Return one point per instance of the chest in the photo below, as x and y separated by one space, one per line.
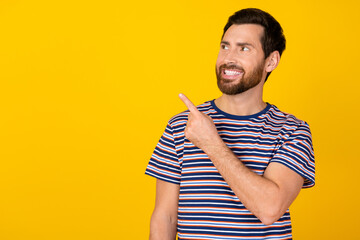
254 145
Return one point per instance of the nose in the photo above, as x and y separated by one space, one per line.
230 57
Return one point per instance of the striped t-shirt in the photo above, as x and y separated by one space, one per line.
208 208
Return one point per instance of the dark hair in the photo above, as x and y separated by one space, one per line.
273 38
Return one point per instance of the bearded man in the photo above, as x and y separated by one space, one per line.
231 167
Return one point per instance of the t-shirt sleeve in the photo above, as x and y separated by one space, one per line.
164 163
297 153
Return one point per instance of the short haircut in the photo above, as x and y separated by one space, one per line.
273 38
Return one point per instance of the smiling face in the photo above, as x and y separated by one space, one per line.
240 65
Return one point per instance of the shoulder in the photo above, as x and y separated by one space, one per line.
289 123
283 117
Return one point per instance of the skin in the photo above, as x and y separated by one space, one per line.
164 218
240 57
267 196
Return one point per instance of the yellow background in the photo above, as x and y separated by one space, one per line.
86 89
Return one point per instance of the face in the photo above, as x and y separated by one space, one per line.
240 63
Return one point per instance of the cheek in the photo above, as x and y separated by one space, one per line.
250 64
219 61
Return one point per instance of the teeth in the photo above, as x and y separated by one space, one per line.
229 72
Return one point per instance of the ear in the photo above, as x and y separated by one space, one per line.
272 61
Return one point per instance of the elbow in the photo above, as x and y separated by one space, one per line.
270 216
267 220
162 222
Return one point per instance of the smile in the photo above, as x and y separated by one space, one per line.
232 72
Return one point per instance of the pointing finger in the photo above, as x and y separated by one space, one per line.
188 103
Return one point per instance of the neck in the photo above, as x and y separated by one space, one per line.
243 104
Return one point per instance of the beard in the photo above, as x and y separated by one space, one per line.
236 86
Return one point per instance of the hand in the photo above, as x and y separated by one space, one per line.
200 128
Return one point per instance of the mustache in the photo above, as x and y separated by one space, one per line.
231 66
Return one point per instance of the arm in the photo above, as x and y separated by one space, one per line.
164 218
267 196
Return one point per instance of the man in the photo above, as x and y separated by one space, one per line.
230 168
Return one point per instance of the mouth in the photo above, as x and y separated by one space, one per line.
231 73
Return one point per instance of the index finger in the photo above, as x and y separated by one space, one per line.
188 103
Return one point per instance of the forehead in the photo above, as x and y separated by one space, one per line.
251 33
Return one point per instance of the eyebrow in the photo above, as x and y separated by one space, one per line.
240 44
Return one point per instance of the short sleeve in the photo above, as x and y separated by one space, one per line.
164 163
297 153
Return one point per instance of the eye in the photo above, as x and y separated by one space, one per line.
224 46
245 49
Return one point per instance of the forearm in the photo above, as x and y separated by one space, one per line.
259 194
162 227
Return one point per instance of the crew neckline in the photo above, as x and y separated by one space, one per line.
228 115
